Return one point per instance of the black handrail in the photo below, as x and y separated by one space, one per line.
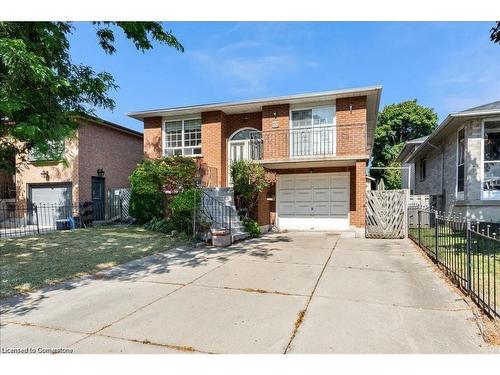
218 213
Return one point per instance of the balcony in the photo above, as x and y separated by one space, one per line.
327 143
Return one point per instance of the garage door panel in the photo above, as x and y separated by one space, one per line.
303 195
321 182
303 209
286 209
286 196
321 209
339 195
339 209
339 182
303 182
321 195
287 182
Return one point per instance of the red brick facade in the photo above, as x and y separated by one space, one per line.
96 146
217 127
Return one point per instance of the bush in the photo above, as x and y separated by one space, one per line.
159 225
252 227
153 179
182 208
249 180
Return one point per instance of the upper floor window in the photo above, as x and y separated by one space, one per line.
312 131
307 118
491 160
182 137
422 169
461 161
52 151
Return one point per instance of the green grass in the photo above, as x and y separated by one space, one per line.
29 263
452 252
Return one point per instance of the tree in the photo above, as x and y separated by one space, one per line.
153 181
396 124
41 89
249 180
495 33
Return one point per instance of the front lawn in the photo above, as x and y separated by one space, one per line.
29 263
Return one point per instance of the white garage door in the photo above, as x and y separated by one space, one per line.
53 201
314 201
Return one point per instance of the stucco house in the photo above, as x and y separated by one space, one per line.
458 165
408 168
101 156
318 144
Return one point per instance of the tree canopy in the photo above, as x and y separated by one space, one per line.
495 33
42 89
396 124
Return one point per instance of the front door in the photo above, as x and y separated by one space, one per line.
98 198
238 150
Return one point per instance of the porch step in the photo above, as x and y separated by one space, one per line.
226 195
237 236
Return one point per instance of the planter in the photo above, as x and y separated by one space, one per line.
221 237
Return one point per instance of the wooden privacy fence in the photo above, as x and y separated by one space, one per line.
386 212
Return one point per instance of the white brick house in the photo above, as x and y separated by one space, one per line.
459 163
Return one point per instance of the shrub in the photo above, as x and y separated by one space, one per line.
153 179
249 180
182 208
252 227
159 225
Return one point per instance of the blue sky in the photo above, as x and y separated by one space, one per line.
449 66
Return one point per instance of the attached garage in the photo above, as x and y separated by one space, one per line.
313 201
54 201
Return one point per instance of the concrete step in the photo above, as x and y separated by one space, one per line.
239 236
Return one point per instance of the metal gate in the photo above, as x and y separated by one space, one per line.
386 213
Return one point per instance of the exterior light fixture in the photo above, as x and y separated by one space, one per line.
275 114
350 109
45 175
100 172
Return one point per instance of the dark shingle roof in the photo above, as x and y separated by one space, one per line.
484 107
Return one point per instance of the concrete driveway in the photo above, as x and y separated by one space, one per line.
282 293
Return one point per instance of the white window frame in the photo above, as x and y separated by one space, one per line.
312 108
459 195
183 147
486 195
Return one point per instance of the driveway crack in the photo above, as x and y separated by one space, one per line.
302 314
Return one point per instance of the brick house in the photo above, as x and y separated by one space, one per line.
318 145
458 164
101 156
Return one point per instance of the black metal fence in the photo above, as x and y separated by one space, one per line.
24 220
468 252
211 214
8 190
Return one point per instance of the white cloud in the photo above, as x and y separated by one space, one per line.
246 67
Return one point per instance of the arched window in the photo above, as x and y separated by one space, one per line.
242 134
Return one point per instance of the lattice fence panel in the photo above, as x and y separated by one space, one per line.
386 213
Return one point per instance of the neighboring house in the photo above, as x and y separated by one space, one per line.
408 170
458 165
318 144
101 156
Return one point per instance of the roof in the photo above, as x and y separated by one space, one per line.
110 124
408 148
452 121
255 105
418 140
484 107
